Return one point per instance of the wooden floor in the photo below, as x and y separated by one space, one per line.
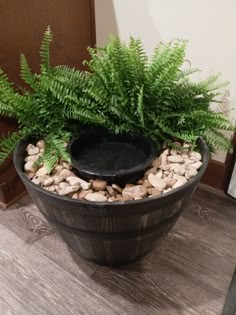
188 274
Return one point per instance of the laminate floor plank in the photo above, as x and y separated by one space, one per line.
41 286
188 274
30 225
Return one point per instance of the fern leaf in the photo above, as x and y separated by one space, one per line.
7 110
140 107
216 140
49 158
7 145
45 50
55 149
4 82
184 73
26 73
81 113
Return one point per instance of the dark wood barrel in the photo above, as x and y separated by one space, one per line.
111 233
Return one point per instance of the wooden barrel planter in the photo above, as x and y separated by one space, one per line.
111 233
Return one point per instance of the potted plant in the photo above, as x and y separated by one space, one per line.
125 94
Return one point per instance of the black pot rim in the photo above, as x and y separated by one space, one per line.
196 178
110 175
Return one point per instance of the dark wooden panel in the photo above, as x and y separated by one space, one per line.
218 174
23 24
229 163
11 187
214 174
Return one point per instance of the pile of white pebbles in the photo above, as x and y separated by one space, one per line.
172 169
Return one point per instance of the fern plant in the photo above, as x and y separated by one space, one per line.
43 111
124 92
154 96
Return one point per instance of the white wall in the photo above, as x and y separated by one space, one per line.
208 25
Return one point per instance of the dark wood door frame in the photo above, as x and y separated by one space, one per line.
218 174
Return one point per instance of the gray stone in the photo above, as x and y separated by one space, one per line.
175 159
63 185
75 196
65 173
40 144
154 191
170 182
83 184
110 191
140 181
32 150
173 166
57 179
68 190
47 182
196 156
188 161
99 185
29 167
32 158
95 197
73 180
159 174
36 180
42 172
66 165
179 169
58 168
166 152
146 184
197 165
117 188
179 177
156 182
152 170
167 190
179 183
191 172
134 191
83 193
173 152
157 162
51 188
165 167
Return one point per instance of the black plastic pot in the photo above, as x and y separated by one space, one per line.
111 233
115 158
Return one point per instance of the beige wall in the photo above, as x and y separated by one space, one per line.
209 26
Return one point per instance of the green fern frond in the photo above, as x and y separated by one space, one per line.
4 82
186 137
217 140
7 145
185 73
55 149
141 107
212 83
45 50
49 158
26 73
83 115
60 145
7 110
